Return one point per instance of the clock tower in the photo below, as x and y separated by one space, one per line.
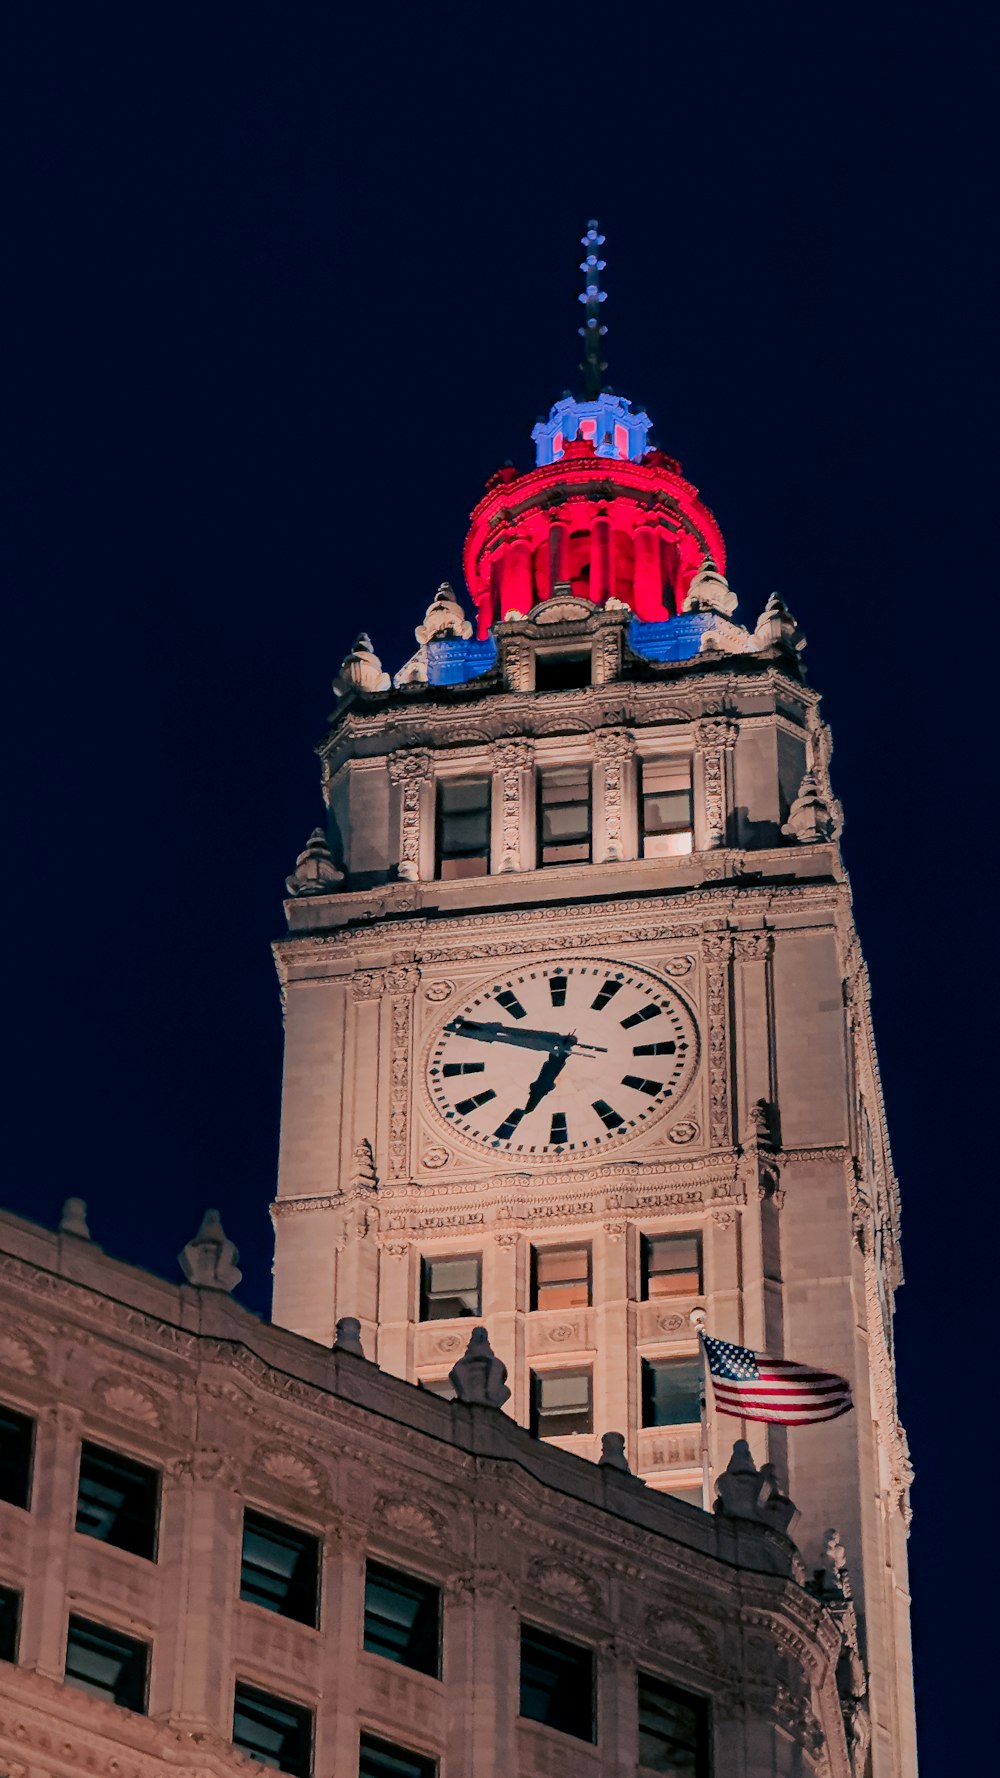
578 1042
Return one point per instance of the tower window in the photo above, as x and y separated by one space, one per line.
671 1391
402 1619
671 1265
383 1759
117 1501
105 1662
463 827
273 1731
280 1568
666 811
564 815
10 1614
563 672
561 1403
673 1730
557 1683
17 1436
450 1288
560 1277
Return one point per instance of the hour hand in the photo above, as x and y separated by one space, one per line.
546 1079
491 1032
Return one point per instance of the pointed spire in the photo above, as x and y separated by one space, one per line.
592 296
777 628
810 818
315 872
444 617
364 1175
361 670
710 591
210 1261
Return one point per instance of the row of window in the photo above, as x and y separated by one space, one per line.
564 817
451 1286
557 1687
561 1402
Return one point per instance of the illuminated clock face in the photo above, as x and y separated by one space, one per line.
563 1059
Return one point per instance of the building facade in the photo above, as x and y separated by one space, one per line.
577 1023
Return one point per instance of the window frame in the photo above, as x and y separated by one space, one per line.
647 1399
542 1635
683 763
256 1693
426 1765
551 659
268 1525
427 1262
441 786
646 1243
543 1252
417 1584
703 1712
21 1464
144 1473
537 1378
583 768
111 1634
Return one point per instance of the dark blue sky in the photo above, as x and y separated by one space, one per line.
281 292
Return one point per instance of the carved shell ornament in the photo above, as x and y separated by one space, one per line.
562 1059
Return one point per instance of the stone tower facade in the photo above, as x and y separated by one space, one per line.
577 1026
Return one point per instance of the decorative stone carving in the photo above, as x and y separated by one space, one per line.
210 1261
710 591
348 1336
410 772
438 991
480 1377
364 1176
361 671
613 1452
511 759
435 1157
810 818
677 965
291 1470
18 1355
368 984
444 617
74 1219
776 627
614 749
717 954
567 1584
127 1401
715 738
409 1520
399 1084
686 1131
746 1492
315 872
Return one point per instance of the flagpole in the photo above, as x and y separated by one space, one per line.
697 1319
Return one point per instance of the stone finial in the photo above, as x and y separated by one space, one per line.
760 1123
774 1506
480 1377
444 617
73 1220
832 1574
364 1174
613 1452
210 1261
810 818
315 872
739 1486
710 591
348 1336
776 627
361 670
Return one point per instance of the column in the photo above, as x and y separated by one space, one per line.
601 586
411 773
615 813
516 588
647 596
558 553
53 1513
513 839
714 739
208 1501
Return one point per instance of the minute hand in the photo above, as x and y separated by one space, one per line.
488 1032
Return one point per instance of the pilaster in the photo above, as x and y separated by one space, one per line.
411 774
615 817
513 837
714 740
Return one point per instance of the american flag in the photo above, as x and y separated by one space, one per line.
753 1387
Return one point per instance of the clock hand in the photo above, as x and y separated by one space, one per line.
490 1032
546 1078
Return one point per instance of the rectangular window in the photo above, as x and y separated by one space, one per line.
280 1568
273 1731
557 1683
402 1619
673 1730
560 1277
671 1391
118 1501
463 827
671 1265
10 1618
105 1662
666 811
571 671
560 1403
383 1759
450 1288
17 1437
564 815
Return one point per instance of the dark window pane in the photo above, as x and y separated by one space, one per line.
673 1730
564 815
560 1277
10 1615
402 1618
560 1403
382 1759
563 672
273 1731
17 1434
671 1265
557 1683
463 827
107 1663
117 1501
450 1288
671 1391
280 1568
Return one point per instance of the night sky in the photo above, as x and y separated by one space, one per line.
282 290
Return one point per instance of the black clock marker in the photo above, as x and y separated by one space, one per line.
506 1130
557 989
558 1133
637 1018
463 1068
654 1049
609 1117
510 1003
466 1105
608 992
642 1086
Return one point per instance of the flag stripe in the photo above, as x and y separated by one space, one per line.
751 1386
